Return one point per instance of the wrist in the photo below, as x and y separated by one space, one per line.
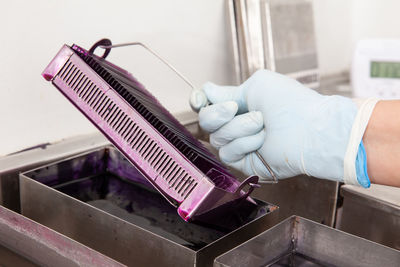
355 160
382 143
326 137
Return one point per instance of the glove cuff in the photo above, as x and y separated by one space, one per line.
365 108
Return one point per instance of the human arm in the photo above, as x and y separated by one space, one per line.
382 143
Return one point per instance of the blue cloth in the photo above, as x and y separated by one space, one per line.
361 167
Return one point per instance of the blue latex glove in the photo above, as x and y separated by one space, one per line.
295 129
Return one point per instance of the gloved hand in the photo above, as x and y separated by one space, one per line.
295 129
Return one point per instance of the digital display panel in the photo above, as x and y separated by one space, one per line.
381 69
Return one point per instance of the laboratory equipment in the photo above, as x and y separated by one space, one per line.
375 70
278 35
246 36
301 242
173 161
379 206
26 243
99 199
12 165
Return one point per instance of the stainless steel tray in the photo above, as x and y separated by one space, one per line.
24 242
308 197
372 213
12 165
99 199
301 242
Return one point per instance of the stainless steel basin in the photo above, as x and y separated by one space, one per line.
301 242
372 213
100 200
24 242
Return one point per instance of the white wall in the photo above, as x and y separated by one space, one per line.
341 23
375 19
333 31
191 34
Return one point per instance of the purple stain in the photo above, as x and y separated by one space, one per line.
47 76
106 180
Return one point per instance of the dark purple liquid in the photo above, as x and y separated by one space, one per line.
106 180
140 206
146 208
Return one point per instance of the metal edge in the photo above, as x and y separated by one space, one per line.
25 179
55 64
36 241
234 39
11 165
288 221
56 150
240 10
267 35
361 199
240 235
342 240
255 35
301 228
